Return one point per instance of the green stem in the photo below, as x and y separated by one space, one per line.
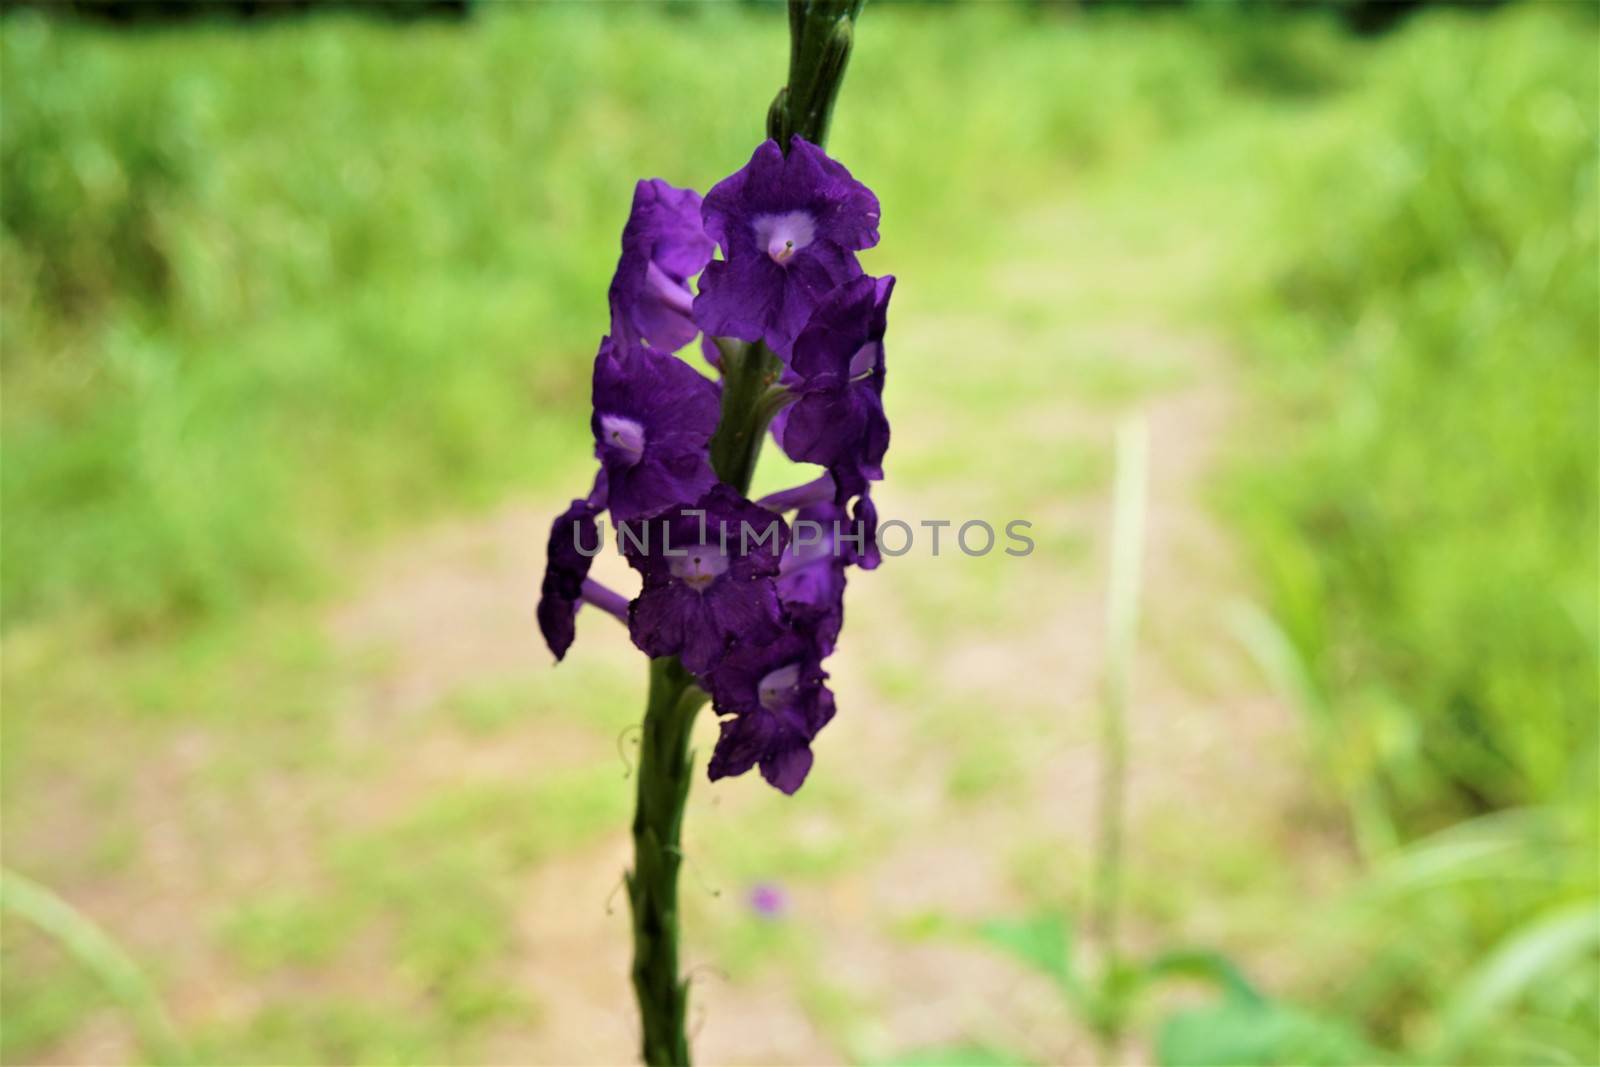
1122 631
664 760
820 36
665 765
819 48
748 373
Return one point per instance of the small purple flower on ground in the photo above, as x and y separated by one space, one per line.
789 227
709 571
653 420
768 900
663 246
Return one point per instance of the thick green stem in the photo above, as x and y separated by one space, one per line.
819 47
749 374
664 760
665 765
820 36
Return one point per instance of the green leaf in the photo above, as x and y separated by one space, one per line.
1514 844
1536 950
1258 1033
1043 942
92 947
1207 966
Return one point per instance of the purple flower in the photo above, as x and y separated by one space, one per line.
789 227
709 574
653 420
777 701
768 901
838 420
749 607
811 575
574 541
663 246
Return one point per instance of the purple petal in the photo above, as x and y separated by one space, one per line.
574 539
740 302
787 769
670 411
663 246
768 291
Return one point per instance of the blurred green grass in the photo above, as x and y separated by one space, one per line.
1433 347
273 293
1423 318
338 275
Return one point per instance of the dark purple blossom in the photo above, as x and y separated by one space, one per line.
709 571
750 608
838 420
789 227
811 575
653 419
776 703
663 246
574 541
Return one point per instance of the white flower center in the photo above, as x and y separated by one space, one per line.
784 235
622 436
699 566
777 689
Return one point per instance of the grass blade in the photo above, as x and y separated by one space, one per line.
94 949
